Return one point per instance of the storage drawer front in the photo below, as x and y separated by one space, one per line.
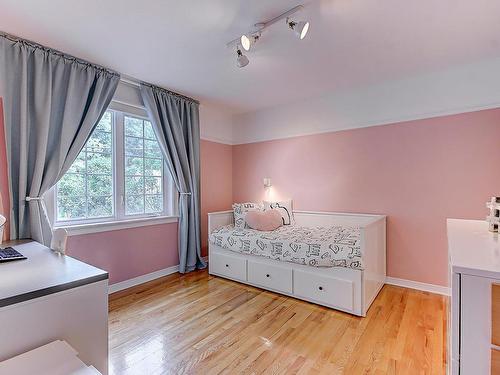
270 276
323 289
227 265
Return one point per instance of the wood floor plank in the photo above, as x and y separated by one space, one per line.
199 324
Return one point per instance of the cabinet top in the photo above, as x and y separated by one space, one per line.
472 248
44 272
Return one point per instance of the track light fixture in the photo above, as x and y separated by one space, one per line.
247 41
300 28
241 60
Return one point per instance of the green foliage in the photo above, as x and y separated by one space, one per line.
134 185
86 190
153 167
154 203
134 166
133 146
134 204
133 127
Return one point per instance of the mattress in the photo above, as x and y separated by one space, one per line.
331 246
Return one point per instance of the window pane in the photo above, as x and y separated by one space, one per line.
152 149
134 185
152 185
134 204
70 207
105 123
133 166
133 146
153 167
78 165
71 185
99 163
99 185
100 142
148 130
133 126
154 203
143 158
100 206
86 190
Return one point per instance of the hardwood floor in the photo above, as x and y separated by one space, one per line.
199 324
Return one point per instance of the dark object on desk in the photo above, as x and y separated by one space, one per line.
9 254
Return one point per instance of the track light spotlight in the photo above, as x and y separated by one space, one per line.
247 41
241 60
300 28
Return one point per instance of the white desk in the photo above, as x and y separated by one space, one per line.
50 297
474 262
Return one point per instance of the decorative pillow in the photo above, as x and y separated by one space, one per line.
264 220
240 210
284 208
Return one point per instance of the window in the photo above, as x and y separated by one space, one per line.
86 190
118 175
143 168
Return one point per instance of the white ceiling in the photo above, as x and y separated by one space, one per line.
181 45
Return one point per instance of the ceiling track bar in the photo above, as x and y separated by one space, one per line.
259 27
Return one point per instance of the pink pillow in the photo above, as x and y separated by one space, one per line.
264 220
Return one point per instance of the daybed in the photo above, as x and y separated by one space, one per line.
333 259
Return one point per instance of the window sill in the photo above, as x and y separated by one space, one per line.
77 229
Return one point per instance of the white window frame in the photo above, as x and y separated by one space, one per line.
119 220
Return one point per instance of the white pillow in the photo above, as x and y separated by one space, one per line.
240 210
284 208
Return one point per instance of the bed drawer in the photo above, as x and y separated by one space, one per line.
229 266
323 289
270 276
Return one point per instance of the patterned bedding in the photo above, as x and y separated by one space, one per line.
332 246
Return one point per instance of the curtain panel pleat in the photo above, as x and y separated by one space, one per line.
175 121
52 103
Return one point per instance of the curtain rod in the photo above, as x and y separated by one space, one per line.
137 83
125 79
66 56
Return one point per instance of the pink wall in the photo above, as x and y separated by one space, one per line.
216 183
116 251
129 253
417 172
4 182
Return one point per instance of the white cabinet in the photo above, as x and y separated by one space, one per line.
50 297
474 260
475 324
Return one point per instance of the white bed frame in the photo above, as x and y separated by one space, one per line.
341 288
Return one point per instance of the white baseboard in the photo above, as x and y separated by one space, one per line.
432 288
145 278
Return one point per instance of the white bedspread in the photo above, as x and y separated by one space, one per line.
332 246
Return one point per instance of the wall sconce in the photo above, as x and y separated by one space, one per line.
267 182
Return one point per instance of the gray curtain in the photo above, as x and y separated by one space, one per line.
52 102
175 120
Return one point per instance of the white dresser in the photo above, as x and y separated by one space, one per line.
474 261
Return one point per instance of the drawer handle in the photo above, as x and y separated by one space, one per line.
227 265
320 288
268 275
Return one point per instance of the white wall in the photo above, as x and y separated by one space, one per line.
215 121
458 90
